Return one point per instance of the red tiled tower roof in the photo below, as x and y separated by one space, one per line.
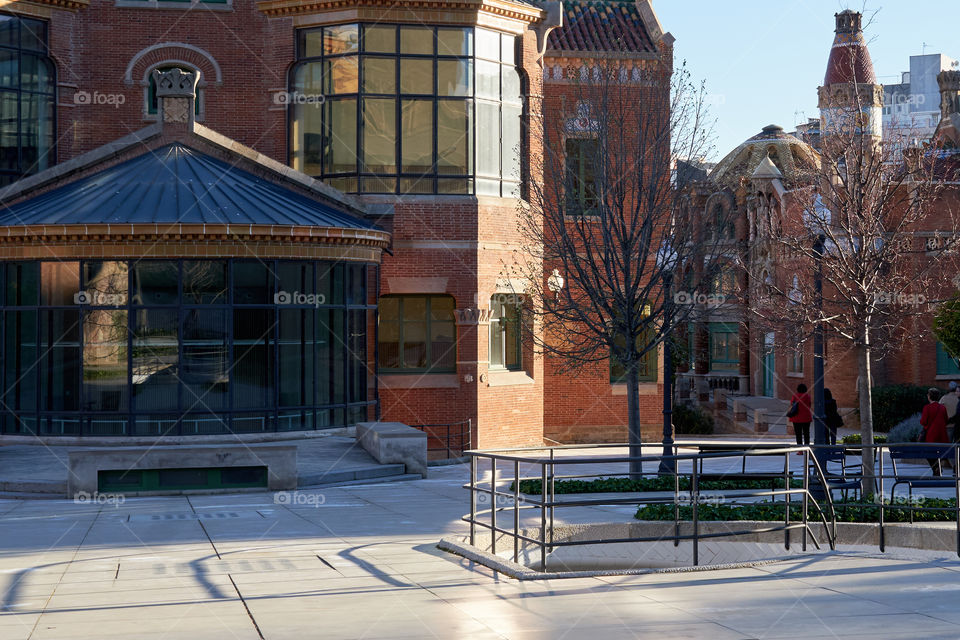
850 61
602 25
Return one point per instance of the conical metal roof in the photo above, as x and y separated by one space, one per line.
176 184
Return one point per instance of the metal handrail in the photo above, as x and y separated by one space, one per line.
547 502
461 431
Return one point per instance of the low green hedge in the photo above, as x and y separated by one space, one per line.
893 404
858 511
856 438
691 421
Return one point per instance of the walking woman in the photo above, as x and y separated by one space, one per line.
803 416
934 423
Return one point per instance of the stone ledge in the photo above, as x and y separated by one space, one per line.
84 464
393 443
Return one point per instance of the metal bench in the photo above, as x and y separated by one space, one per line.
929 452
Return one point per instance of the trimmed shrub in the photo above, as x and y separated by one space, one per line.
690 420
895 403
856 438
906 431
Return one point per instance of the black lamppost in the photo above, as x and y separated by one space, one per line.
819 419
667 464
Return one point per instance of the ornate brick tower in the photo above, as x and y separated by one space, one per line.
851 99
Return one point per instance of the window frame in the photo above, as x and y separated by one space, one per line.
578 204
503 324
8 176
725 329
431 368
399 181
151 104
946 366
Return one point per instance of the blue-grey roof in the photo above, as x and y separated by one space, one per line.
175 184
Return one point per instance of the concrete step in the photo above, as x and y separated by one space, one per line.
34 487
403 477
350 475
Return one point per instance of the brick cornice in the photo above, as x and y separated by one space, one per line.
25 5
228 239
503 8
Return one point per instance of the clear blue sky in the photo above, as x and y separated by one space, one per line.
763 60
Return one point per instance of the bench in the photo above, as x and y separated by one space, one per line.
929 452
395 443
243 463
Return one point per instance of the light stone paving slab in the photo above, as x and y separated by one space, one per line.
364 564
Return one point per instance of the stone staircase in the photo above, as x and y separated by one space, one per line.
751 415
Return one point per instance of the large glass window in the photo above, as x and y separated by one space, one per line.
182 347
392 109
27 98
646 371
417 334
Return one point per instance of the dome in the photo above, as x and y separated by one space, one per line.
793 157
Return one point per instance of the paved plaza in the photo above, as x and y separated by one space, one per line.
361 562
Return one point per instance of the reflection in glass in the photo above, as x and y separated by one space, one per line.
417 139
253 357
297 380
380 136
60 283
204 282
105 284
60 361
155 359
155 282
205 371
416 40
251 283
105 359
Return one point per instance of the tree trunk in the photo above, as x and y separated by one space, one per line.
633 421
868 486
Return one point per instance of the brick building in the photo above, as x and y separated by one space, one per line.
774 176
417 120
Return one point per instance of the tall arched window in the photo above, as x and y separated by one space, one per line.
27 99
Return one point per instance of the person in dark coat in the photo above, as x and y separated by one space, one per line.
933 419
801 421
832 418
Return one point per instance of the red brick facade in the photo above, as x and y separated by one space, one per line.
104 51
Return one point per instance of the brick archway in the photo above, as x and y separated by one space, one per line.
151 56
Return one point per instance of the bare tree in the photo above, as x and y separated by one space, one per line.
862 226
603 220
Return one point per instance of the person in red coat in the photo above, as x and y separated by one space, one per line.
933 419
801 421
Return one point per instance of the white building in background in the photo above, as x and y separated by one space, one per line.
911 109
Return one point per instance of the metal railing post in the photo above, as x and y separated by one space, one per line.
879 499
676 504
553 494
806 494
956 478
516 510
786 501
543 516
473 501
695 495
493 506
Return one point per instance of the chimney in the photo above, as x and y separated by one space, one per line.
176 95
949 82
